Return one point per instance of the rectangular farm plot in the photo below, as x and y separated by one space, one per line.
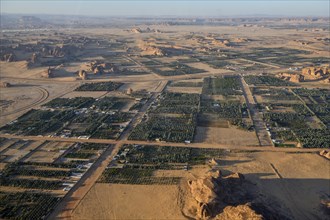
176 68
229 85
227 136
141 164
295 118
165 128
77 102
99 86
38 122
86 151
177 103
29 205
171 118
34 186
18 150
48 152
266 81
75 117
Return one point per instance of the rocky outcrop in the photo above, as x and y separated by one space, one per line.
296 78
136 30
98 70
315 71
218 197
34 58
325 153
59 51
308 74
129 91
5 84
147 30
10 57
240 212
98 67
48 73
152 50
221 43
82 74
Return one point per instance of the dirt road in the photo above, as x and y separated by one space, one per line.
257 116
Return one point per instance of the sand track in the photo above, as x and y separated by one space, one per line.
44 94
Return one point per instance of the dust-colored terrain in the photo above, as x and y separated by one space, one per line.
192 81
272 183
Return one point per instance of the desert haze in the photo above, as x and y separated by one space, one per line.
164 117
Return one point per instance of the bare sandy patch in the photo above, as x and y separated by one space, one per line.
118 201
230 136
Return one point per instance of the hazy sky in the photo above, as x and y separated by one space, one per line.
169 7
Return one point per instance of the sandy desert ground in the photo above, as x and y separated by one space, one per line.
288 183
279 176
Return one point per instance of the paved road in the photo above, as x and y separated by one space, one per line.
257 117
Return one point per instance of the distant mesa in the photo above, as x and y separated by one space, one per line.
147 30
58 51
98 67
152 50
222 43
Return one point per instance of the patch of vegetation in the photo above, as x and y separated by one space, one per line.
27 205
142 161
165 128
30 183
266 80
187 84
313 138
99 86
222 86
77 102
178 103
135 176
178 68
231 111
151 154
39 122
274 94
19 170
110 103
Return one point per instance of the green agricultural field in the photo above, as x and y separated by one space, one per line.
222 86
99 86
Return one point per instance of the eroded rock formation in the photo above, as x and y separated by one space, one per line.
10 57
48 73
325 153
5 84
82 74
308 74
216 196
